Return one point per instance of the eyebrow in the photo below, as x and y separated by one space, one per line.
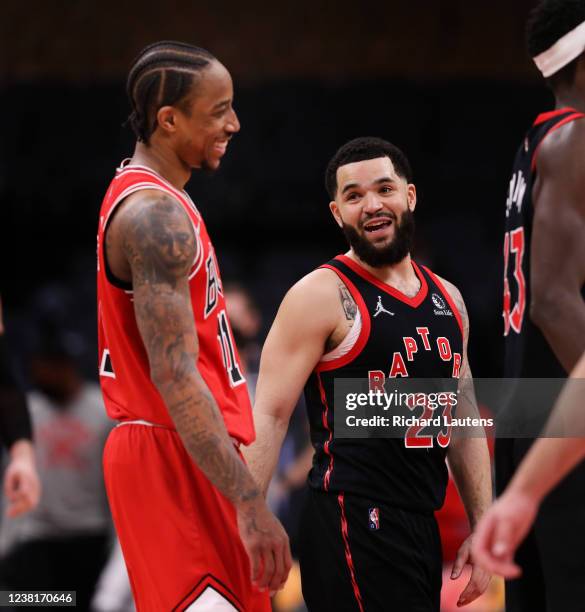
384 179
220 104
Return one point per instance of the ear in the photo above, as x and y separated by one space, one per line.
411 196
166 118
335 212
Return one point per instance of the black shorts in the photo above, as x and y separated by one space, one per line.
361 555
552 556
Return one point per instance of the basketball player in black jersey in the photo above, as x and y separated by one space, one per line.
544 309
369 540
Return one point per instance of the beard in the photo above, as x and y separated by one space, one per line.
390 254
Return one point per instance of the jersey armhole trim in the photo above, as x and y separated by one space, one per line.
449 299
575 115
362 340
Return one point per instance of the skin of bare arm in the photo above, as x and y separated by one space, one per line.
507 522
557 270
157 240
21 485
469 460
308 316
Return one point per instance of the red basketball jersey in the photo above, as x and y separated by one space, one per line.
128 392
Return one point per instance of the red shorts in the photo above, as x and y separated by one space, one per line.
178 533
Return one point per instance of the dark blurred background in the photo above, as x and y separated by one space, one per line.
448 81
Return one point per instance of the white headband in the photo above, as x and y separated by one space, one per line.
565 50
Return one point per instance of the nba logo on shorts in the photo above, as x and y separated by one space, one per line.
374 518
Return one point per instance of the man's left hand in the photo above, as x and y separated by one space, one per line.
479 580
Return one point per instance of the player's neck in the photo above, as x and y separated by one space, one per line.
572 94
570 99
399 274
163 161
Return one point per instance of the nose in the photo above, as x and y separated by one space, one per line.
372 203
233 123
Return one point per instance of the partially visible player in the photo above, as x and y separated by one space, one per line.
185 506
544 310
504 526
21 481
369 538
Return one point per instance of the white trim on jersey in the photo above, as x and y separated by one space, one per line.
211 601
145 169
348 342
104 361
138 422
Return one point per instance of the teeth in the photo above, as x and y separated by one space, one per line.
372 228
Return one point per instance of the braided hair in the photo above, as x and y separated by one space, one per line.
162 75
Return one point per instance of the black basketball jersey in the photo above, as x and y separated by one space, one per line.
400 336
527 353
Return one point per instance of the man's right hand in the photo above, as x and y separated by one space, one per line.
266 543
501 530
22 487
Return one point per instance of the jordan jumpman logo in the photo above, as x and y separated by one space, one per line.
380 309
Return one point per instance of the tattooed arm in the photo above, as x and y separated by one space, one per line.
469 460
349 306
158 241
313 318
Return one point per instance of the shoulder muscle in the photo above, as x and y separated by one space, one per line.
157 237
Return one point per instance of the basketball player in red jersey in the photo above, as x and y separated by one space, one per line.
185 506
369 537
544 306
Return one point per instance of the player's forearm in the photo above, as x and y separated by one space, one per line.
551 458
469 461
202 430
547 463
262 456
551 314
22 450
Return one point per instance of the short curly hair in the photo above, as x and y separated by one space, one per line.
361 149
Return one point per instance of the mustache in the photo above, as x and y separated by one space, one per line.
380 215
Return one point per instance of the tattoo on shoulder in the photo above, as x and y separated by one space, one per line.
348 303
159 240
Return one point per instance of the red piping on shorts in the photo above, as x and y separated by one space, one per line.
324 418
344 534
